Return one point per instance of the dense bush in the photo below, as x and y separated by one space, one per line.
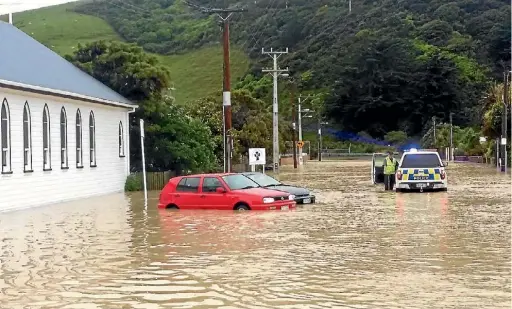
133 182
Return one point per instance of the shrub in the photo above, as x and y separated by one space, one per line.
133 183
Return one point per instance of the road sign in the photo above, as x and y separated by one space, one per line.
257 156
300 144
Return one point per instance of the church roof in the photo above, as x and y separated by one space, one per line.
23 60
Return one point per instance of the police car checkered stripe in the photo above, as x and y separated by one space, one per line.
432 173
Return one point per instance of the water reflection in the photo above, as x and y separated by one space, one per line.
359 247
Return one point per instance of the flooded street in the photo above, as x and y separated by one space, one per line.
358 247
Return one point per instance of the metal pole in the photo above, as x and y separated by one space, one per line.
143 161
299 109
434 122
497 153
451 137
319 138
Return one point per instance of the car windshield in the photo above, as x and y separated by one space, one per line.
263 180
421 160
239 182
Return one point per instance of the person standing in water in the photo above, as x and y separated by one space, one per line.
390 166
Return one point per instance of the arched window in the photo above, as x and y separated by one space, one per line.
79 150
92 140
27 139
47 155
121 140
5 139
63 139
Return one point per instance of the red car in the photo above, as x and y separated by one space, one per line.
221 191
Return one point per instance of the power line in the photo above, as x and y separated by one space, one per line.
259 30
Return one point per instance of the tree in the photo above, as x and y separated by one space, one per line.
388 66
493 115
178 142
251 119
126 68
173 140
396 137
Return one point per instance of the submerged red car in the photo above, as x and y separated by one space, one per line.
222 191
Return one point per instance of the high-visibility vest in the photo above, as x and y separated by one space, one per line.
389 166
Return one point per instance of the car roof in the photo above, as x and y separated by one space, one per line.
421 152
208 175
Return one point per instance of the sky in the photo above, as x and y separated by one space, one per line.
24 5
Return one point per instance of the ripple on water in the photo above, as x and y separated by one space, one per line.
358 247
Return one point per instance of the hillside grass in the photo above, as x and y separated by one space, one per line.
60 29
194 74
199 73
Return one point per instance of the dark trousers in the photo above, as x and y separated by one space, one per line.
389 182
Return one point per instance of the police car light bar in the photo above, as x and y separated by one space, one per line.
413 150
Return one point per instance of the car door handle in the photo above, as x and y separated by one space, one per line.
177 195
202 195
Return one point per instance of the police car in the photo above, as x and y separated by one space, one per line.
421 170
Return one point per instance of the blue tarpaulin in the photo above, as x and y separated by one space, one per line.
352 137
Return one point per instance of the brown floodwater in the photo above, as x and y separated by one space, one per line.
358 247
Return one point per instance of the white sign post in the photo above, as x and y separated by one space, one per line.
143 161
257 157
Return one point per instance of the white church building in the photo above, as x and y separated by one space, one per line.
63 134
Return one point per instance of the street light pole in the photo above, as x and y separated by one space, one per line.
319 138
320 123
294 134
300 112
451 136
434 122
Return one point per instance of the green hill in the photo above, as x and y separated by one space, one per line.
386 65
194 74
381 66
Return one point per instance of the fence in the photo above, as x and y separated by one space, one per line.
154 180
288 151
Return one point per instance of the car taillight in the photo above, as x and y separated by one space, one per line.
443 175
399 175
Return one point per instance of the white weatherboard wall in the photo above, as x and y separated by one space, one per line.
21 190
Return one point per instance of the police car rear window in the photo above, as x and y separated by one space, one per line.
420 160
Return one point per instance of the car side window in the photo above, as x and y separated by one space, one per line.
188 184
210 184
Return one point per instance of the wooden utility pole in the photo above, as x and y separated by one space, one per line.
504 123
224 15
294 125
